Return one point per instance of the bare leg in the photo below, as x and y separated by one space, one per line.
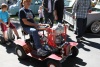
5 36
16 33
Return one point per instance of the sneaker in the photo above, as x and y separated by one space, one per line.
18 37
41 52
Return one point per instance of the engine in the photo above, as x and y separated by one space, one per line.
59 29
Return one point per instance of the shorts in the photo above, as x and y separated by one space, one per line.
4 28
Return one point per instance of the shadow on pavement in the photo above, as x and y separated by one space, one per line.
33 62
9 48
92 44
69 62
90 35
73 62
89 43
69 39
81 45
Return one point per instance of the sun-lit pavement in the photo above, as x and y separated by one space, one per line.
89 53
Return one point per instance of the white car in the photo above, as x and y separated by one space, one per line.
93 19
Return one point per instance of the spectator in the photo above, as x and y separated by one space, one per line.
5 22
41 15
48 11
58 10
29 26
81 8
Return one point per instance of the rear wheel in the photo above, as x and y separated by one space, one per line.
95 27
2 40
74 51
20 52
53 63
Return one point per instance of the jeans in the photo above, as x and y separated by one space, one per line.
81 26
35 36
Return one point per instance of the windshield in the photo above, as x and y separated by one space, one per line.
69 3
18 2
97 7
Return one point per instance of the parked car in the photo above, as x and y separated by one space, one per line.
14 9
2 1
93 19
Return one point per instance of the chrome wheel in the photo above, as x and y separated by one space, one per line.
95 27
19 53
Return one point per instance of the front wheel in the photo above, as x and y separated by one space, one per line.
53 63
74 51
20 52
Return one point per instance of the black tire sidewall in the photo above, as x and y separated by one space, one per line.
22 50
53 62
74 51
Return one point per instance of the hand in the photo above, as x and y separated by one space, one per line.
56 17
36 25
89 11
73 17
7 26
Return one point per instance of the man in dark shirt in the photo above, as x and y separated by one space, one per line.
48 10
26 19
58 10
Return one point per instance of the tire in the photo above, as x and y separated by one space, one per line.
2 40
95 27
74 51
20 52
53 63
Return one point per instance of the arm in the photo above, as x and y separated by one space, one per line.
55 10
8 21
55 15
44 5
29 23
90 7
2 22
75 7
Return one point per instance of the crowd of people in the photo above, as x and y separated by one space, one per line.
50 10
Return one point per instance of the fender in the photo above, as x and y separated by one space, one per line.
55 57
20 42
73 44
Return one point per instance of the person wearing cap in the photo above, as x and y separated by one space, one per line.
81 8
5 22
29 26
